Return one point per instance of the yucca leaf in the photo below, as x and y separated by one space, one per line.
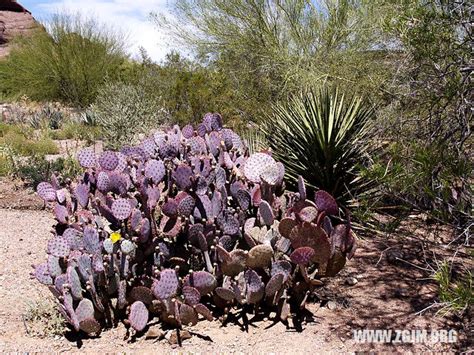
320 135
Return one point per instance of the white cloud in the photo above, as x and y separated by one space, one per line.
129 16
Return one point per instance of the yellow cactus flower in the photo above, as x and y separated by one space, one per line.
115 237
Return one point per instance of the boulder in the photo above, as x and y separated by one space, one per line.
15 21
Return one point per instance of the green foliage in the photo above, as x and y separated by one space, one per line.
125 110
432 83
22 141
456 296
425 176
76 130
186 89
68 62
268 50
320 136
34 169
5 166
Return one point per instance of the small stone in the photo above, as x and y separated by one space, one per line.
172 336
331 305
153 333
351 281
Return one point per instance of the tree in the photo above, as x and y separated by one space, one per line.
270 49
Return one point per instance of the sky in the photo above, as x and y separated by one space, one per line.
130 16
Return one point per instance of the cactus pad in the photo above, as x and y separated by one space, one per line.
191 295
187 131
46 191
266 213
204 311
281 267
255 287
42 274
82 194
256 164
138 316
244 199
236 262
326 202
155 170
58 246
84 310
260 256
203 281
90 326
61 213
302 255
142 294
308 214
121 208
182 176
225 293
74 283
274 284
91 240
187 315
103 181
108 160
167 286
54 269
87 158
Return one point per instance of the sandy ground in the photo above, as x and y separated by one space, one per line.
388 295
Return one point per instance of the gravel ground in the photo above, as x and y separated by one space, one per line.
384 296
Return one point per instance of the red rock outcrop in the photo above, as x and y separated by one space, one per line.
15 21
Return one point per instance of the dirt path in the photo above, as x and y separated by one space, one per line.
387 296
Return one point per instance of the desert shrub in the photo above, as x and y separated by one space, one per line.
320 136
24 143
267 50
67 62
5 166
35 168
76 130
189 223
125 110
187 89
426 177
425 162
43 319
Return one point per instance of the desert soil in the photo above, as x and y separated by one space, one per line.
394 287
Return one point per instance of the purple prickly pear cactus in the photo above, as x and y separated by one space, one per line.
183 223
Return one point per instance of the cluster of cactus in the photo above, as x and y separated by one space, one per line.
183 226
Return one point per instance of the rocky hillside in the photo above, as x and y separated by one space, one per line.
15 21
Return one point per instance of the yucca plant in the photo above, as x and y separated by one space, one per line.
319 135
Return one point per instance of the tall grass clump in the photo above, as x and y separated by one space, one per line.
67 60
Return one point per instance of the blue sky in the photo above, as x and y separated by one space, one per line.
129 16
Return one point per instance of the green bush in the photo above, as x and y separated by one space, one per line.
427 177
320 136
23 142
124 110
268 50
35 169
76 130
68 62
